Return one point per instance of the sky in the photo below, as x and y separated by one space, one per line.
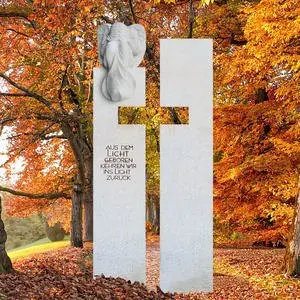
16 167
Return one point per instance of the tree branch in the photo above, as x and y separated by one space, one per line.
238 43
18 32
133 12
14 14
14 94
44 118
48 196
3 122
64 82
54 136
191 18
40 134
106 19
174 115
233 41
26 91
35 137
149 50
6 120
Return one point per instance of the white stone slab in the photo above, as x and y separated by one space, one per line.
186 240
119 205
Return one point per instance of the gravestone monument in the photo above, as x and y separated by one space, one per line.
119 155
185 158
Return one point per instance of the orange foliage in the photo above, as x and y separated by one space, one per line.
256 122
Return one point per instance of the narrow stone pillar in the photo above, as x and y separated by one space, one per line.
186 237
119 186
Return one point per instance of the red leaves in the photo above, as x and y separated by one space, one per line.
67 274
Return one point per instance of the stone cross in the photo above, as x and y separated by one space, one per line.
185 158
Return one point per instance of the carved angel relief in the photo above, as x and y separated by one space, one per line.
121 48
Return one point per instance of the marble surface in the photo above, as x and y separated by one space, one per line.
121 50
186 241
119 186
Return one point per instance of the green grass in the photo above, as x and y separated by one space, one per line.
37 247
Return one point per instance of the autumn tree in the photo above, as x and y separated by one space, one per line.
46 67
256 129
50 50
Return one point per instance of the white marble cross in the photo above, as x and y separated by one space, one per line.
185 180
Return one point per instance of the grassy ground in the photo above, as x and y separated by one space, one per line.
42 245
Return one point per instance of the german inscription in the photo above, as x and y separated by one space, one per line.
118 162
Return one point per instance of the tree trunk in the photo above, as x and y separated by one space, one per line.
153 214
88 202
292 255
88 221
149 212
5 262
76 221
55 232
84 160
157 214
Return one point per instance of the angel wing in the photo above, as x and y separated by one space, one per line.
137 42
103 33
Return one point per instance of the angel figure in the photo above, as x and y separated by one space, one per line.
121 48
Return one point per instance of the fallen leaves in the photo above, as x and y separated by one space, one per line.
67 274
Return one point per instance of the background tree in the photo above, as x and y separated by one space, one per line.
256 148
5 263
292 256
47 64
